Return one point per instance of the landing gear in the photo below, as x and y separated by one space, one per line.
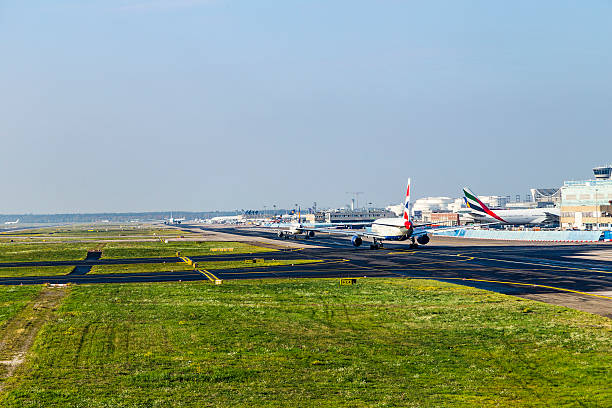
376 245
413 245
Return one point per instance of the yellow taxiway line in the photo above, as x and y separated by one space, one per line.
208 274
510 283
397 252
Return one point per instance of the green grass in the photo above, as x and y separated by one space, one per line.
13 299
182 266
312 343
94 232
140 268
20 252
50 251
119 232
35 271
242 264
187 248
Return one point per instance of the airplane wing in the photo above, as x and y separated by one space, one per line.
418 230
347 232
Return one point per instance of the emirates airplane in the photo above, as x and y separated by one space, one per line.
383 229
479 212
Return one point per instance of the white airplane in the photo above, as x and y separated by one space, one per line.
383 229
172 220
478 211
12 222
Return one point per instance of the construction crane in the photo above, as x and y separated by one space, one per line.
355 198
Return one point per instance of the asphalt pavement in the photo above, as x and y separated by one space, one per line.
546 272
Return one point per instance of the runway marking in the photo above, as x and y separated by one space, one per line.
510 283
324 262
468 258
543 264
482 280
208 274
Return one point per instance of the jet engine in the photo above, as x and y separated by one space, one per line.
280 234
310 234
356 240
423 239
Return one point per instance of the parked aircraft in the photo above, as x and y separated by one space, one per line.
12 222
479 212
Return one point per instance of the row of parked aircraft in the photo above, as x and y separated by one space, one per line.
402 228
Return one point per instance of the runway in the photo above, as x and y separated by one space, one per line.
550 273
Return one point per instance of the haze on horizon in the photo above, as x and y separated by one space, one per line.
143 105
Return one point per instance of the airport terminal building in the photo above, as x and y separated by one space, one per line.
587 205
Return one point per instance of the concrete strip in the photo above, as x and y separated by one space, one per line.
603 255
585 303
257 241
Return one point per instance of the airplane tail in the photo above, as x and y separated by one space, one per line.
472 201
407 220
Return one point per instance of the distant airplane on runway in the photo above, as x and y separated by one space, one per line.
383 229
12 222
479 212
172 220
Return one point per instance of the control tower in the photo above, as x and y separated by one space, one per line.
603 172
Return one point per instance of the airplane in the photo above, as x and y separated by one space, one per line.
12 222
382 229
296 228
478 211
172 220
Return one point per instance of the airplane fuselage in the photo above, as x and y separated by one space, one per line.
391 228
520 217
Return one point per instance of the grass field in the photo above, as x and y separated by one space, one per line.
20 252
182 266
187 248
36 271
281 343
13 252
13 299
97 231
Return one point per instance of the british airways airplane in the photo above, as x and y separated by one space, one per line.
382 229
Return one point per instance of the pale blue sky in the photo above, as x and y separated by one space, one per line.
154 104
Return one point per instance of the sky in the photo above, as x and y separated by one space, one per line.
142 105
